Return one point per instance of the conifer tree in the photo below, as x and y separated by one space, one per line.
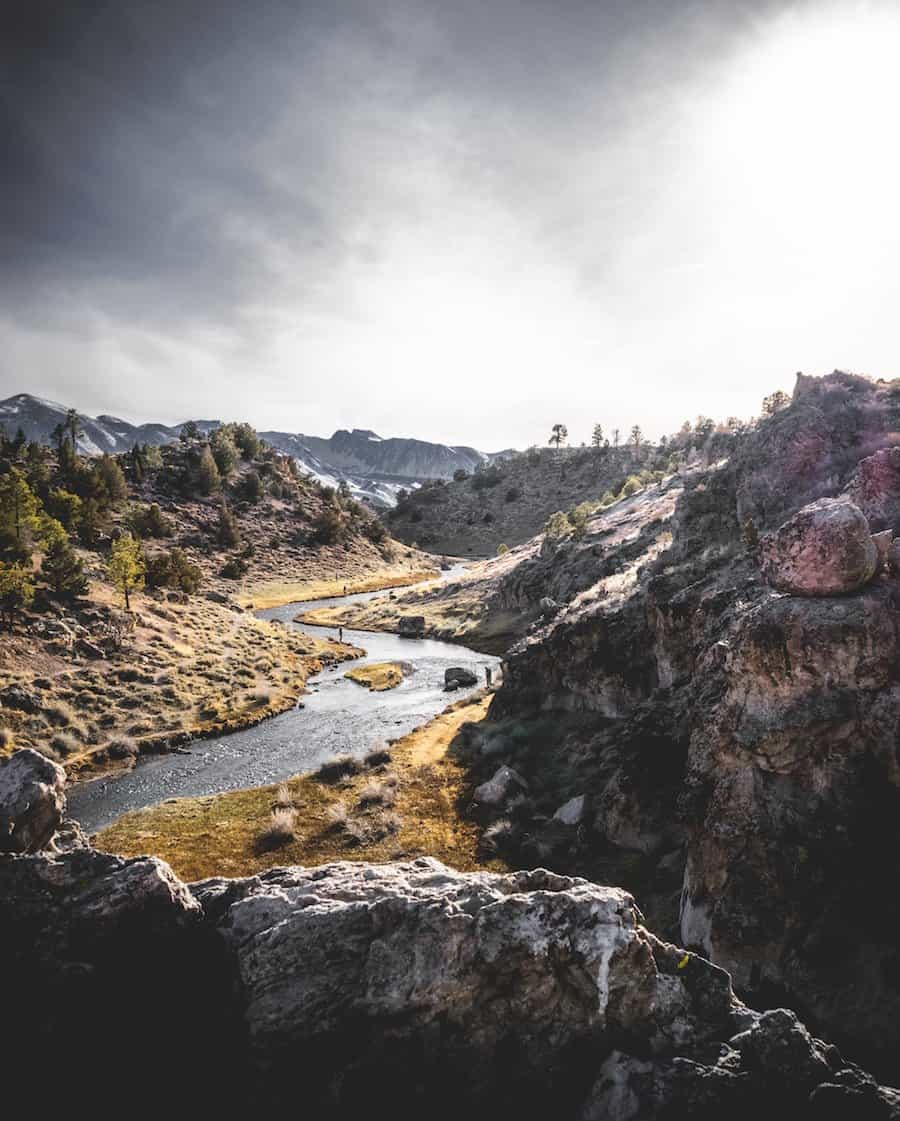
63 570
126 567
208 478
16 591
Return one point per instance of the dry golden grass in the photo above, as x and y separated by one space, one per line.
228 834
192 669
277 593
378 676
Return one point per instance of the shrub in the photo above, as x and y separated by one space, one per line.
378 793
377 758
607 500
122 747
234 568
283 799
557 525
329 527
375 531
337 815
251 488
513 494
280 830
460 475
227 533
486 477
6 739
172 570
63 744
501 549
335 769
631 486
150 522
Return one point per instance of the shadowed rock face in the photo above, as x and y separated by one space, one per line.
701 709
402 990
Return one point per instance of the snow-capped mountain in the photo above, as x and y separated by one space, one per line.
373 467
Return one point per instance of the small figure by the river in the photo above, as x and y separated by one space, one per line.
488 673
340 634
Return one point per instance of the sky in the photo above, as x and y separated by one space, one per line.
462 221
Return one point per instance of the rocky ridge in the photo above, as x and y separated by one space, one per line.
735 745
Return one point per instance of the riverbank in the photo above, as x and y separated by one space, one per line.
404 801
271 593
184 671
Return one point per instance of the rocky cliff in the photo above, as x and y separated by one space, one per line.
400 990
724 715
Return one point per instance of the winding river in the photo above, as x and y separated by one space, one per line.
335 717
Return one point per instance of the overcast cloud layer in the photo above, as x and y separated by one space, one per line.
459 221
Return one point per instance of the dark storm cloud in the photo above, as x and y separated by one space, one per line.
219 187
138 153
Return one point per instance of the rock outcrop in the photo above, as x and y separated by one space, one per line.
826 549
32 801
403 989
738 747
458 677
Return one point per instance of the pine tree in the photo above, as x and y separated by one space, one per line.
597 436
64 570
109 482
227 532
251 487
558 435
19 510
126 566
91 522
208 478
224 451
16 591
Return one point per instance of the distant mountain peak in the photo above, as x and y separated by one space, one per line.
372 466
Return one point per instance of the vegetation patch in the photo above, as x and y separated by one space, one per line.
378 676
406 807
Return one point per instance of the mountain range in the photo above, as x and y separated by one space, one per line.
373 467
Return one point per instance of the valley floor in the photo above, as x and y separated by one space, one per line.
191 667
405 802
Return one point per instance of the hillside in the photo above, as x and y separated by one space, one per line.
509 501
373 467
703 708
93 680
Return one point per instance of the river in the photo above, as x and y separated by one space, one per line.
336 717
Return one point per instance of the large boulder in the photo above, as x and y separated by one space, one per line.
405 989
32 800
411 626
825 549
875 488
457 677
413 982
498 789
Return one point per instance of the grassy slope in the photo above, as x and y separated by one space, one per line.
225 834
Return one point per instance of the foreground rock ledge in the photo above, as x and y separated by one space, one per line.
395 988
